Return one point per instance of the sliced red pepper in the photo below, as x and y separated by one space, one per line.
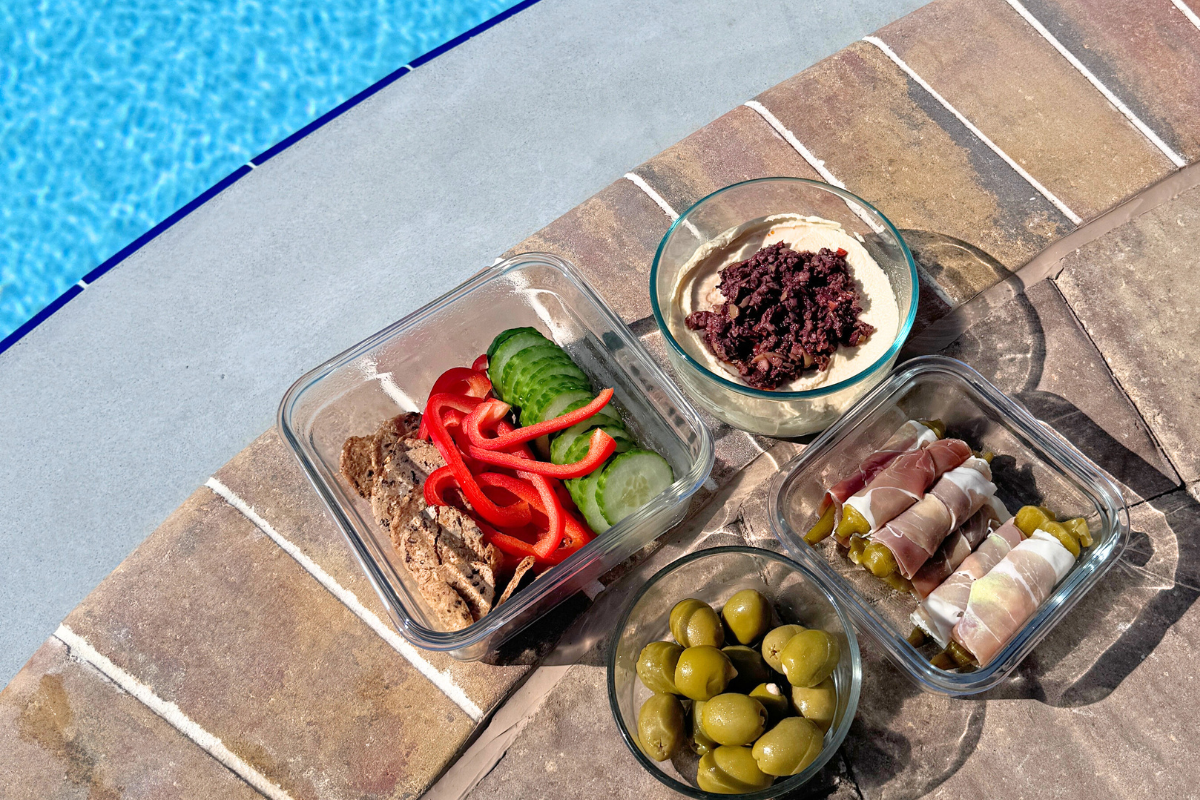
462 380
509 545
480 364
436 485
600 447
476 423
539 493
450 418
507 517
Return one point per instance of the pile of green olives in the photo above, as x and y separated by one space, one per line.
718 690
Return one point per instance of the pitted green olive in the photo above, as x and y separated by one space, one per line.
693 622
731 770
661 726
701 742
751 669
775 641
748 615
789 747
734 719
656 666
810 657
773 700
703 672
818 704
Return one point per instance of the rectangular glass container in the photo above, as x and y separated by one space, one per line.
392 372
1033 464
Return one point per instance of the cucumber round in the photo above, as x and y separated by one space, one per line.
553 406
549 393
576 449
504 336
585 498
514 366
630 481
609 412
562 443
511 346
540 372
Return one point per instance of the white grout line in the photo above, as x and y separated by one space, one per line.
442 680
672 215
807 155
170 712
81 284
1187 12
1175 158
1059 204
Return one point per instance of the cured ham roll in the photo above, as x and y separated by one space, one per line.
958 545
916 534
901 484
941 610
910 436
1003 600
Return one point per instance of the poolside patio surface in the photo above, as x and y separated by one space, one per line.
240 650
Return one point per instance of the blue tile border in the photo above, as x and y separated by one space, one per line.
245 169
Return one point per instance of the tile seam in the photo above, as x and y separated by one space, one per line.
170 713
660 201
1142 127
1187 12
441 679
912 73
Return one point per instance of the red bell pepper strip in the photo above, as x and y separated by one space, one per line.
507 517
575 533
462 380
451 418
436 485
478 420
480 364
600 447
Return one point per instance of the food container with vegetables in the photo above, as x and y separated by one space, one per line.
734 671
956 529
496 451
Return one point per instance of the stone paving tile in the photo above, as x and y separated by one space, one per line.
1033 349
268 478
1135 292
1148 54
893 145
67 732
611 237
992 66
215 617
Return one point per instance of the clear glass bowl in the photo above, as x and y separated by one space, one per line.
392 372
755 410
714 575
1033 464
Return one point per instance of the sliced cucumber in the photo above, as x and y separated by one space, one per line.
509 348
630 481
553 407
585 497
562 443
531 413
514 366
575 450
609 411
504 336
541 372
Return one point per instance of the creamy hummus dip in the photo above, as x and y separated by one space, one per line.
696 289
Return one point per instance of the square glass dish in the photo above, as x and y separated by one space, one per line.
392 372
1033 464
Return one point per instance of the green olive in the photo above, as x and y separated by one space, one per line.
773 700
734 719
818 704
748 615
656 666
731 770
1030 518
751 669
810 657
775 641
789 747
701 742
693 622
660 726
703 672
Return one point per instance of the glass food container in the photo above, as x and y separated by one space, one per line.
714 575
1033 464
392 372
777 413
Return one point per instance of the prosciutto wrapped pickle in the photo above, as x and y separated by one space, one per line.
940 611
1002 601
914 536
958 545
901 484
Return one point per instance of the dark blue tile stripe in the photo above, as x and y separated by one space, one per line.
40 317
243 170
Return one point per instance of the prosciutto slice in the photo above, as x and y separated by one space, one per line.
910 436
903 482
916 534
941 610
1004 599
958 545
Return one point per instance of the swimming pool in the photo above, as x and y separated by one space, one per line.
115 114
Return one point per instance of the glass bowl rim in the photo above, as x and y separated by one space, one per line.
881 362
791 782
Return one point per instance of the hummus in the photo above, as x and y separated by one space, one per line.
696 289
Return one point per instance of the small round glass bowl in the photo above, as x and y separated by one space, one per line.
778 413
713 576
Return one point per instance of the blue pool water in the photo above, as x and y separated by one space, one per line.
114 113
